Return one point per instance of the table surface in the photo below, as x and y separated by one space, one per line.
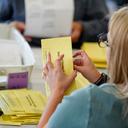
36 82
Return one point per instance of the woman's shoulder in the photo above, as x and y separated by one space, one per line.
94 90
104 100
81 94
106 95
88 107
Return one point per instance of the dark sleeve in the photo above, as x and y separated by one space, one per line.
5 11
121 2
96 10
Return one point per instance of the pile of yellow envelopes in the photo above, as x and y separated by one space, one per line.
96 53
21 106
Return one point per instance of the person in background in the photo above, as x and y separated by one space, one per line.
113 5
87 20
85 27
121 2
104 106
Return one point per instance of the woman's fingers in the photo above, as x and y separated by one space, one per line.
45 71
48 66
61 57
49 62
84 55
59 62
77 68
78 62
77 53
81 53
49 57
73 75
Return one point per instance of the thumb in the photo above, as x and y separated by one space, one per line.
73 75
77 68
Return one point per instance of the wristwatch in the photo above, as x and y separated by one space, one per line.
103 79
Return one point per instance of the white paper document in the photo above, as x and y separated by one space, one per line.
49 18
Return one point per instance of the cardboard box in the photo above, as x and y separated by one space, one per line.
9 35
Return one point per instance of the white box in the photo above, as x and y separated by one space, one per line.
9 34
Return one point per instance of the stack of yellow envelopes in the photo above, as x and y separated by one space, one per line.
21 106
57 46
97 54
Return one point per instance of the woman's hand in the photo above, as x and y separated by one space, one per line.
58 82
84 65
20 26
55 77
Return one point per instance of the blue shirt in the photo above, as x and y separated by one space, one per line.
91 107
12 10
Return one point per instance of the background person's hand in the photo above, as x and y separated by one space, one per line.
77 29
55 77
18 25
84 65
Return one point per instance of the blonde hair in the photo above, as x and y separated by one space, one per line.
118 60
118 63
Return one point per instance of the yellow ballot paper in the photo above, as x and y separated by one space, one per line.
21 106
57 46
97 54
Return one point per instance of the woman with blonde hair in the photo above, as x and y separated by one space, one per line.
104 106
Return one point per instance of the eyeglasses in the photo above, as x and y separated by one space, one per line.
103 40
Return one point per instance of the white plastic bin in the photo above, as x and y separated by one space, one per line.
8 35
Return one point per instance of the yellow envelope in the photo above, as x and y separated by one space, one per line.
100 65
3 122
97 54
57 46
